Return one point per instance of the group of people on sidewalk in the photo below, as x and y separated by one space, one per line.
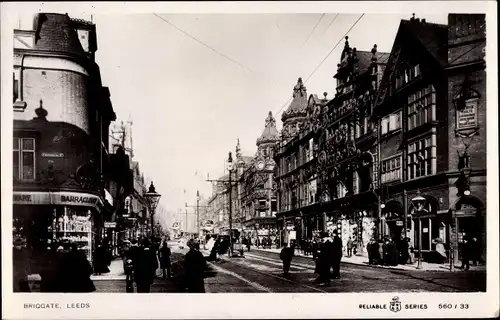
389 252
145 258
65 269
327 258
218 247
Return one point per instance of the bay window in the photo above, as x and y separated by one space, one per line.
422 158
421 107
24 159
391 169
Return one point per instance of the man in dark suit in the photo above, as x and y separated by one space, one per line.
336 248
324 260
145 265
194 269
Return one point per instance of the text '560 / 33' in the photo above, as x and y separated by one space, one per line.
453 306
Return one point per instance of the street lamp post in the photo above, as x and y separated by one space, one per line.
418 203
197 210
230 169
152 198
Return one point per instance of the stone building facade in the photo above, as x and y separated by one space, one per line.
403 124
467 129
61 117
326 166
435 83
256 185
411 112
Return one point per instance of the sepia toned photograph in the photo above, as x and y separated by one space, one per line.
179 153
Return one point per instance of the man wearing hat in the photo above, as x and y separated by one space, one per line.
194 268
145 265
325 260
336 254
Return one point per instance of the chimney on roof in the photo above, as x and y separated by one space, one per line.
413 19
424 21
374 52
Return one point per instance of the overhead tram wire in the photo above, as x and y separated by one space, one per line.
335 47
328 55
331 22
204 44
314 28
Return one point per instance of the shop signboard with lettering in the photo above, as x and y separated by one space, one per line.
467 116
52 155
57 198
110 225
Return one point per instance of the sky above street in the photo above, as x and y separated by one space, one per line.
189 104
194 83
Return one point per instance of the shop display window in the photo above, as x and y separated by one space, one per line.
72 225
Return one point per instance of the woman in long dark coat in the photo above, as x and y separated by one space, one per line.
145 266
194 269
100 260
75 271
286 255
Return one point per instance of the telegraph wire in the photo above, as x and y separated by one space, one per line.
321 63
335 47
331 22
204 44
314 28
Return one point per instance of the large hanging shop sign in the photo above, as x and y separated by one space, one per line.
57 198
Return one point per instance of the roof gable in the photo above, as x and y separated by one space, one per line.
429 37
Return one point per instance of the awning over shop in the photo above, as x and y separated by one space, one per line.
57 198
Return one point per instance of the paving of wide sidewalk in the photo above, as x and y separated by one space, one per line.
363 260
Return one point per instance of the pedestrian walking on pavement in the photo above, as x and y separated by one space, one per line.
441 251
404 250
336 254
75 271
349 247
466 253
475 251
369 250
324 261
374 253
194 269
100 257
164 257
286 255
145 266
